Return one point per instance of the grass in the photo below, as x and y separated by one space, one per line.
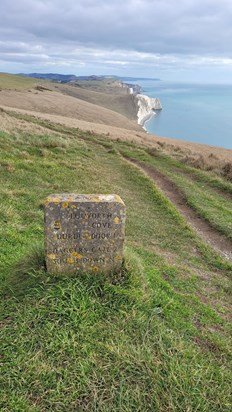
211 179
209 195
101 93
14 82
156 337
205 158
102 85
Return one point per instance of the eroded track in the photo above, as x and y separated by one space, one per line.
220 243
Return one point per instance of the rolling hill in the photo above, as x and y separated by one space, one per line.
157 335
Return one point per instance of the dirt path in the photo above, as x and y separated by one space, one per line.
222 245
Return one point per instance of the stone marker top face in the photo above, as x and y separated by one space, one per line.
72 197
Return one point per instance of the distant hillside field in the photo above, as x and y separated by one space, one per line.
44 96
91 105
13 82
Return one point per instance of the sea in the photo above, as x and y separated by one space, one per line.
199 113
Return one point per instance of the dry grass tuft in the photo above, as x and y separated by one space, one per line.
207 160
227 171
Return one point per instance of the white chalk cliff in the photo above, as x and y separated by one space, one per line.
147 106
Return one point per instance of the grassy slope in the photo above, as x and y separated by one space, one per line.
153 338
14 82
100 93
110 98
103 85
90 100
209 195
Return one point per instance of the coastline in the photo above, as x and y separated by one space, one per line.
147 107
196 113
146 119
199 155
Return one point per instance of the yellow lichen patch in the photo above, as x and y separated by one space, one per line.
86 236
57 224
70 260
77 255
65 205
116 220
119 200
118 258
52 200
51 256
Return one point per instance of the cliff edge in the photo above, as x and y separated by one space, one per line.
146 107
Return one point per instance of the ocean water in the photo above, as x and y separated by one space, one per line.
192 112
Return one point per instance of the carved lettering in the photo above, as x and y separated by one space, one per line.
80 215
104 225
68 235
84 233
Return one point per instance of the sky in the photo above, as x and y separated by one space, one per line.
184 40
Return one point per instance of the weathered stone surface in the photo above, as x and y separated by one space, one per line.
84 233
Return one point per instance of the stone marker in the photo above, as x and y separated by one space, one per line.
84 233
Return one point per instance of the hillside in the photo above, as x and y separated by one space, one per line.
157 335
65 78
54 102
75 101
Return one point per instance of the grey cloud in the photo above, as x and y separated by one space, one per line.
162 33
154 26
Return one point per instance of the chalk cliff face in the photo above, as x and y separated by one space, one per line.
134 88
119 83
147 106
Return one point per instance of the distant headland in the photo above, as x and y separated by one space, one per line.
65 78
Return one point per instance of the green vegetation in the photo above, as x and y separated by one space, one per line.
155 337
10 81
104 93
209 195
101 85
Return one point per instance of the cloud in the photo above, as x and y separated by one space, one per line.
136 34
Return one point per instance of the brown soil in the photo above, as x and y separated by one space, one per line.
222 245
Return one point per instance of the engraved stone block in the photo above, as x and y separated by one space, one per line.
84 233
